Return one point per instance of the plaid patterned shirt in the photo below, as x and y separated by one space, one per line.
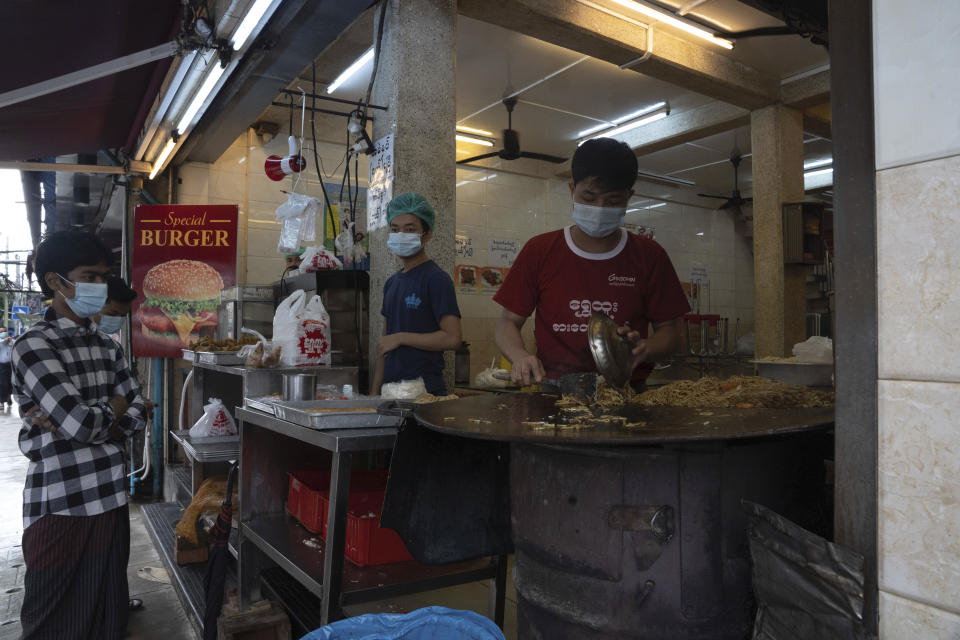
71 371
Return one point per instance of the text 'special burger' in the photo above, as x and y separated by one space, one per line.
182 298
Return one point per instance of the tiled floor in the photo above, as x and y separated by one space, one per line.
161 617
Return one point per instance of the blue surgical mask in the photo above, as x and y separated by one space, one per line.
88 298
404 244
598 222
110 324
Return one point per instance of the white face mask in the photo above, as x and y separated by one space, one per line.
598 222
404 244
110 324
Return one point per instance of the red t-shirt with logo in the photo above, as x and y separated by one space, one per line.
635 282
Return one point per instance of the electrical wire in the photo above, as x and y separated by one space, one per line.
316 156
376 62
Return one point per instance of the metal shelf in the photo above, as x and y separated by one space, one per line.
283 540
240 370
332 440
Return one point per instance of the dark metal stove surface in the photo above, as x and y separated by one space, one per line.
502 418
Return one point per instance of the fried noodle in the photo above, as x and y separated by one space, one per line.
736 391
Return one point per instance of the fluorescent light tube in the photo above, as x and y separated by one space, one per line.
637 114
616 121
818 172
352 69
251 20
205 89
654 206
472 140
813 164
666 18
594 129
632 125
649 175
164 153
479 132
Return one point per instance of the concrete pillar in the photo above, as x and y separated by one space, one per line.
776 135
416 80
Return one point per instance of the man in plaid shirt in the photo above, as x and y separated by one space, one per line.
79 402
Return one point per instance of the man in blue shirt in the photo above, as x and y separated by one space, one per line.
422 319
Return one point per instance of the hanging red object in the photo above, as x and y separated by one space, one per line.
278 168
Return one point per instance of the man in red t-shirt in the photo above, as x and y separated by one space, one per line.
592 265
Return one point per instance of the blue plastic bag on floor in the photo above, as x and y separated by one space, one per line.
429 623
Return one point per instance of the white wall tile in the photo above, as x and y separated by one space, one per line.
192 183
470 191
261 270
918 235
903 619
916 62
919 462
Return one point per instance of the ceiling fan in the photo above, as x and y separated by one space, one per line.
734 200
511 143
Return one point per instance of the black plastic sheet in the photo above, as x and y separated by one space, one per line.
805 586
448 497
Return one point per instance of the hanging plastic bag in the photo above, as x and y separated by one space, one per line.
299 217
319 259
215 421
344 242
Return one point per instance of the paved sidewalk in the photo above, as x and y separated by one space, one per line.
161 618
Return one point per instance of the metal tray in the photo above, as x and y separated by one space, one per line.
219 357
216 449
188 354
297 412
808 373
261 404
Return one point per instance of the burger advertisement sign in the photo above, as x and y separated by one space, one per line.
183 256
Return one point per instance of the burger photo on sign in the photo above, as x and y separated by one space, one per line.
182 299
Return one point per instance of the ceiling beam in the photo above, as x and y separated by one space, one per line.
136 166
717 117
687 126
604 35
806 92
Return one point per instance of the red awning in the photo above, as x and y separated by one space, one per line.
43 39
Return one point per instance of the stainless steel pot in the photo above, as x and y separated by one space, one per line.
299 386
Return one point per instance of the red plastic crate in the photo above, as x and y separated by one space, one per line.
304 498
366 542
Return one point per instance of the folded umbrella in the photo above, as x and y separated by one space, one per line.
215 578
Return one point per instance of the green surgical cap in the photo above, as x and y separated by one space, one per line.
299 252
411 202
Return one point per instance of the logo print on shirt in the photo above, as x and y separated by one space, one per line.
621 281
413 302
584 308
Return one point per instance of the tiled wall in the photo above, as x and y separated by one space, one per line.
918 191
491 203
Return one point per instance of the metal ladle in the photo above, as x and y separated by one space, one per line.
612 353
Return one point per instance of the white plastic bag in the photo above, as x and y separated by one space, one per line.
215 421
403 390
318 259
299 217
302 331
814 350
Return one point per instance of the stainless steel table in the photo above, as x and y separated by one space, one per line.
231 384
271 447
